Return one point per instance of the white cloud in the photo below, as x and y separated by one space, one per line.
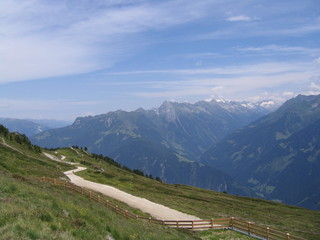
249 69
277 50
202 55
231 87
239 18
30 58
40 39
289 94
263 29
315 86
3 105
217 88
26 108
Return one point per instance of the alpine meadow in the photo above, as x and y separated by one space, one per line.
172 119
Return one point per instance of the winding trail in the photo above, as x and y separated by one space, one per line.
156 210
54 158
7 145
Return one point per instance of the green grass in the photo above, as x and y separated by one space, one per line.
33 166
207 204
33 210
222 234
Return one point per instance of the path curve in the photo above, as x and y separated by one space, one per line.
54 158
156 210
7 145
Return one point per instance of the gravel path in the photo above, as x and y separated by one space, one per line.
54 158
155 210
7 145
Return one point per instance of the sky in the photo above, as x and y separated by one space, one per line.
67 58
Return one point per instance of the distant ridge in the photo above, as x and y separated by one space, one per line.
166 142
277 155
31 127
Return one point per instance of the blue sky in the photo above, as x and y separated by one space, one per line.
66 58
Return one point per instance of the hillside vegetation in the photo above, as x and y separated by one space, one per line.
30 209
33 210
200 202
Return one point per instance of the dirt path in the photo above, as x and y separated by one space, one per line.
54 158
7 145
155 210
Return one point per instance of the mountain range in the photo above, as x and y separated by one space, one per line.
235 147
30 127
278 155
166 142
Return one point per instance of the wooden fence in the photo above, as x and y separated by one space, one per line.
235 224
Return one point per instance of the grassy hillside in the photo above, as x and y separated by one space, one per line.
30 210
33 210
203 203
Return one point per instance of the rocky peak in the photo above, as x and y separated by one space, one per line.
168 111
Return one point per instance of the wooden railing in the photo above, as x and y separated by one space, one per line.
257 231
235 224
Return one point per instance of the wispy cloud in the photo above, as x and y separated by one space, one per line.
123 52
239 18
39 39
250 69
256 31
277 49
233 82
231 88
26 108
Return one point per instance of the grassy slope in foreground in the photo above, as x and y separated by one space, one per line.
33 210
30 210
203 203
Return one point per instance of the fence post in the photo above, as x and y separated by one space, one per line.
107 203
162 222
249 228
149 219
177 223
82 191
98 198
90 193
211 222
288 236
192 224
231 222
268 230
117 209
127 214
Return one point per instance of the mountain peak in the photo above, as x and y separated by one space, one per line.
167 109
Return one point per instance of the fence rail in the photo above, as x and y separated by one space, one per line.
232 223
